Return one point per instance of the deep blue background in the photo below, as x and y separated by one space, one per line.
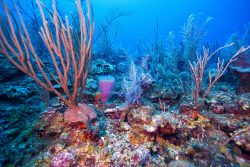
228 16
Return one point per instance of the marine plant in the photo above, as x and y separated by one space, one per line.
193 31
156 51
17 45
170 61
198 68
33 21
167 55
239 40
132 85
107 33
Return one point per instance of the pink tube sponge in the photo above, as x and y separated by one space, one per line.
106 84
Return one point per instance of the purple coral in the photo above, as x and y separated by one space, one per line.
132 85
106 84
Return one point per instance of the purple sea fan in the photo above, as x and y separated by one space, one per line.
132 85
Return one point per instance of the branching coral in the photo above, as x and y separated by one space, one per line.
17 46
197 69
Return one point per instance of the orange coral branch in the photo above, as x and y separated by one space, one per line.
197 70
60 47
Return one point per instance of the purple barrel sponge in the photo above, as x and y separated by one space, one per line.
106 84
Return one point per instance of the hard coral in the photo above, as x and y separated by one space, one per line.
50 124
64 159
241 69
82 113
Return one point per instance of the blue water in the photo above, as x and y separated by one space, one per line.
229 16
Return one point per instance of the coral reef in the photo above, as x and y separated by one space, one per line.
241 70
147 111
145 136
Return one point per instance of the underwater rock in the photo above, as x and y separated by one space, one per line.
241 69
55 149
64 137
90 90
125 154
15 93
50 124
141 156
227 123
243 140
216 107
125 126
177 163
81 114
170 93
167 128
186 109
91 84
117 113
140 117
244 103
154 124
17 140
164 86
100 66
82 135
231 108
122 67
240 106
226 103
12 132
138 138
65 158
7 70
